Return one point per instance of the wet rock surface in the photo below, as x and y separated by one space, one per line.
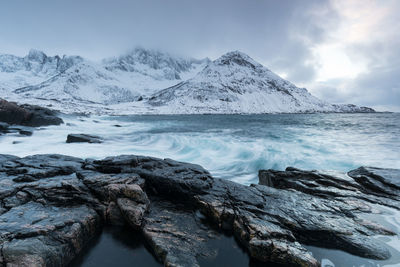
5 128
27 115
363 185
52 206
83 138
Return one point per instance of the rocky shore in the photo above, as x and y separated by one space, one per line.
27 115
18 119
51 206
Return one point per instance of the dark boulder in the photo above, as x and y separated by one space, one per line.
83 138
27 115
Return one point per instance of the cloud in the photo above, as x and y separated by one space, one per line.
267 30
342 50
362 62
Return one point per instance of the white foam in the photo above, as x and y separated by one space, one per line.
226 152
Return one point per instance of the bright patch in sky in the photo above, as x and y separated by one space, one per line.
335 63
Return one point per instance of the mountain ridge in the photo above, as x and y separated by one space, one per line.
150 81
236 83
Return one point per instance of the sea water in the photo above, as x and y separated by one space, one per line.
232 147
235 147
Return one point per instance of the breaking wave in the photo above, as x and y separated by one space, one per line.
233 147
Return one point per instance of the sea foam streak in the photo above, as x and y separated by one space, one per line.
233 147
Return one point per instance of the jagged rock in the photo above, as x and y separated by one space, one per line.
27 115
344 196
83 138
384 181
52 205
370 185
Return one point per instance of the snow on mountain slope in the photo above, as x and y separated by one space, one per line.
128 78
235 83
85 82
155 64
16 72
135 83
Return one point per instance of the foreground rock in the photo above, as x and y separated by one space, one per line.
363 185
52 205
83 138
27 115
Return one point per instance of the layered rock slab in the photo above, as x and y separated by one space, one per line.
163 199
337 201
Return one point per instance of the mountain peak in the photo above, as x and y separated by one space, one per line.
157 64
233 83
36 55
236 53
237 58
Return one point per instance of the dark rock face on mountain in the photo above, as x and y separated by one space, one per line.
27 115
83 138
172 66
37 62
52 205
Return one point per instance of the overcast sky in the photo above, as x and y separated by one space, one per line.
341 50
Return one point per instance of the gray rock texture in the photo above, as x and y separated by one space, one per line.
52 205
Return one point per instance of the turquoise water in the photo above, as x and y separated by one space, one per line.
233 147
236 146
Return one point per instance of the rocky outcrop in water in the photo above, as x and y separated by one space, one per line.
27 115
83 138
5 128
52 205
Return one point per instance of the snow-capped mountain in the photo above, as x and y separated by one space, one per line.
16 72
158 65
135 83
128 78
84 82
235 83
